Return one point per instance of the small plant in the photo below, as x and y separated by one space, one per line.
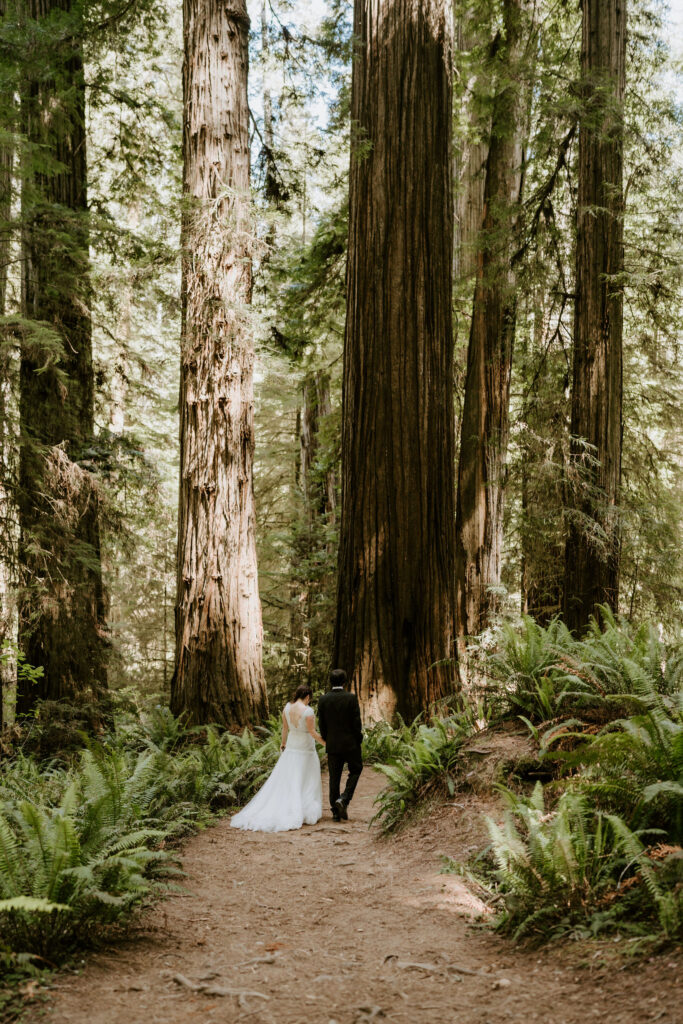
385 744
548 864
425 764
26 673
574 868
20 974
634 767
81 844
58 881
546 674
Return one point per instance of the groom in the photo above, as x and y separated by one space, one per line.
340 727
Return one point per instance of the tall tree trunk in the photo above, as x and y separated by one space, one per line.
485 420
592 552
394 626
62 607
542 444
219 635
8 607
470 155
271 184
317 485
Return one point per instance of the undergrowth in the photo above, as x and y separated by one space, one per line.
545 674
85 841
423 761
573 868
600 847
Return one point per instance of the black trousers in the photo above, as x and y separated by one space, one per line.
335 764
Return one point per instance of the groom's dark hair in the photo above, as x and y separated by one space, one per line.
337 677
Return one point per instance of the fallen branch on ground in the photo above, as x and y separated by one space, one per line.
218 990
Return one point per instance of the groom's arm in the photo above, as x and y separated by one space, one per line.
322 721
357 723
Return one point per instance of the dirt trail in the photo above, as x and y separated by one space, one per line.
321 926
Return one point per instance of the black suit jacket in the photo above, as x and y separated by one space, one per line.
339 721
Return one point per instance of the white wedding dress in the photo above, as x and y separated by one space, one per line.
292 795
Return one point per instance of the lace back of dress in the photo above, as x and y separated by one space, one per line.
295 721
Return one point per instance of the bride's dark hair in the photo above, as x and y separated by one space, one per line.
302 692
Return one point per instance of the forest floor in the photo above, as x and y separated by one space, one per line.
334 925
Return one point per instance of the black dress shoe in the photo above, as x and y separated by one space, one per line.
340 808
335 816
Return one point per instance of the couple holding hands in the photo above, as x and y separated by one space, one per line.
292 794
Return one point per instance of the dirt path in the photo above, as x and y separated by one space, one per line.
318 926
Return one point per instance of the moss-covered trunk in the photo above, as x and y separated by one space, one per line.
62 607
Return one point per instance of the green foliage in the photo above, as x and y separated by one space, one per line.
64 873
81 845
26 673
525 665
545 674
606 852
556 869
384 744
19 975
425 761
548 862
635 766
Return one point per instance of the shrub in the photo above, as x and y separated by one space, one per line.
82 844
385 744
634 767
59 881
554 870
545 674
425 763
548 863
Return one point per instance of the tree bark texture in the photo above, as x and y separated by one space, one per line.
470 158
313 547
394 625
484 428
271 185
592 552
62 607
219 635
8 440
542 442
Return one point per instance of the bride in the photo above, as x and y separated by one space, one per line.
292 795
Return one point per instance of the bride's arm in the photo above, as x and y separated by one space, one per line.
285 730
310 725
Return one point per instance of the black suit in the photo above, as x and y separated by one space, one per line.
341 728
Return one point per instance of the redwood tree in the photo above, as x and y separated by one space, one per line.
218 672
61 618
313 548
484 428
472 148
7 427
592 551
394 625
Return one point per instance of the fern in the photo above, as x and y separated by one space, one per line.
88 837
634 767
553 869
544 674
426 761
